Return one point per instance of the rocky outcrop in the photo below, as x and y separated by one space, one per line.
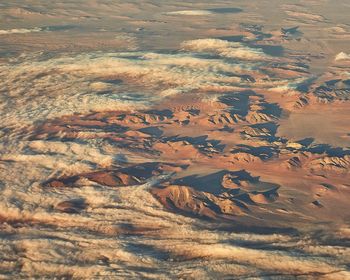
330 164
222 195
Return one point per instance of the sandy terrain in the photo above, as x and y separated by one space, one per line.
174 140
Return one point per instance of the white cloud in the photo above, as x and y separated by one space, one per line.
191 13
20 31
342 56
225 49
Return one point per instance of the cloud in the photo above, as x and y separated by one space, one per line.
342 56
20 31
191 13
225 49
84 82
205 12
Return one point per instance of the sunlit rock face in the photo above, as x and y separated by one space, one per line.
165 140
